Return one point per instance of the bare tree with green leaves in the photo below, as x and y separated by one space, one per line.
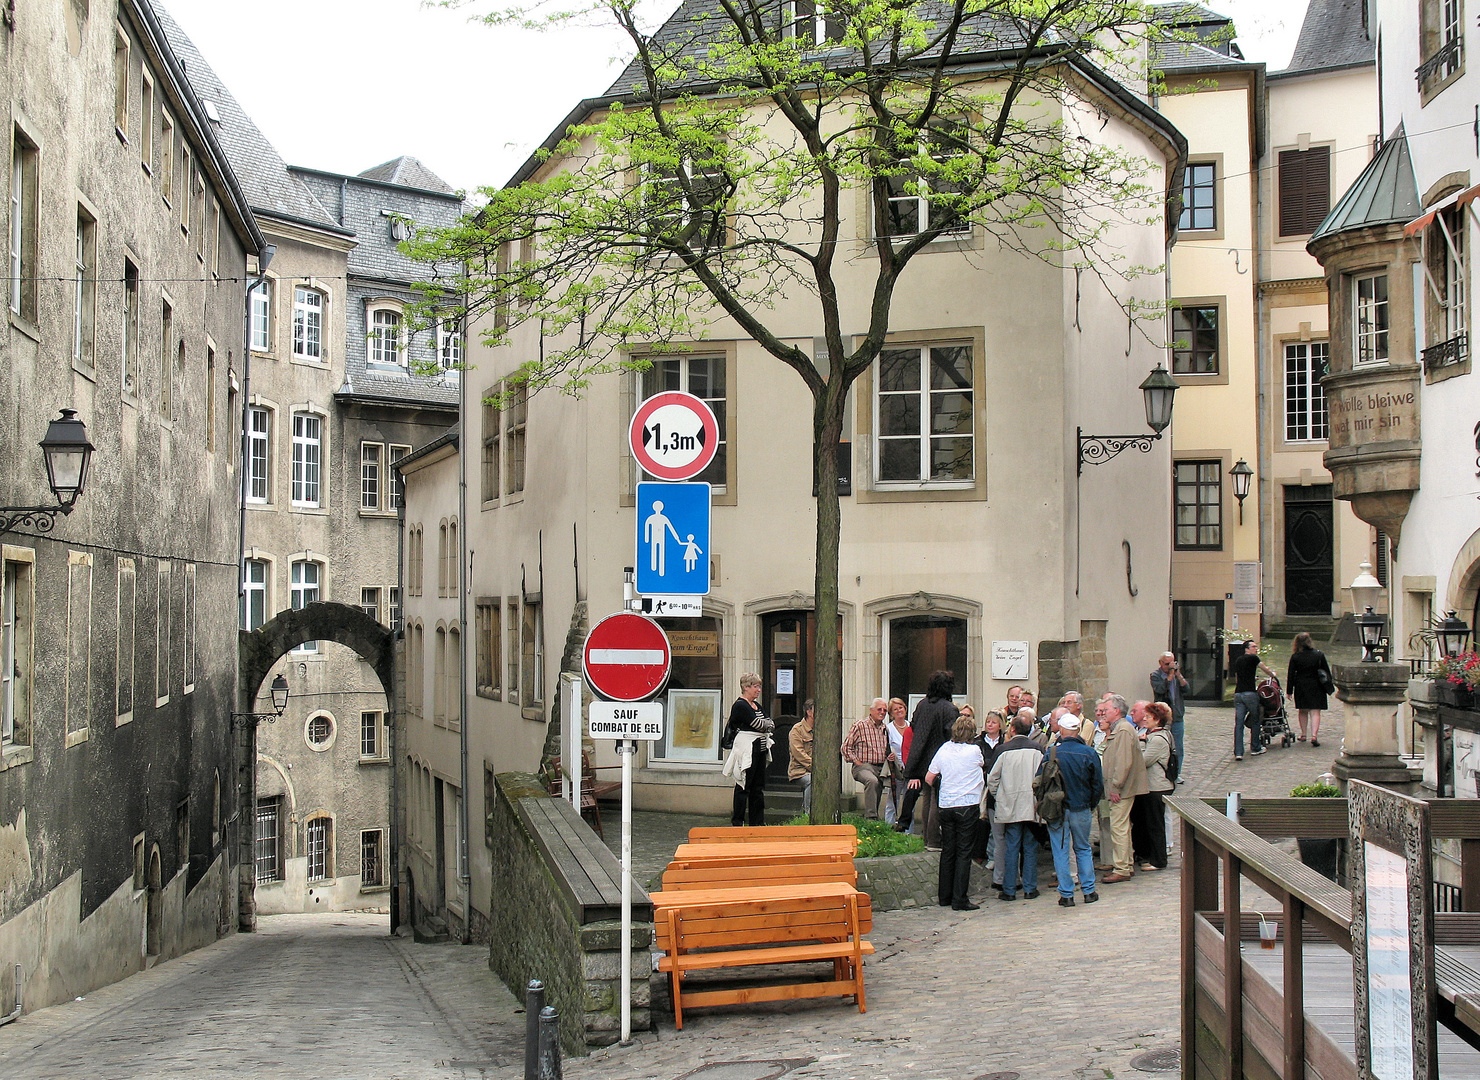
712 183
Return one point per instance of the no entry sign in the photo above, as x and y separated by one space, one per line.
627 657
674 435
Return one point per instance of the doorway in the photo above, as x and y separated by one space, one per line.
786 678
1195 644
1309 550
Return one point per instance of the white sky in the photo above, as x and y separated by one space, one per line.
346 84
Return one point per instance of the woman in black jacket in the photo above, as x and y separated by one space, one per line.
1304 683
749 804
932 723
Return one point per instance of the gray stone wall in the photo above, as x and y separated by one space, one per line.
534 933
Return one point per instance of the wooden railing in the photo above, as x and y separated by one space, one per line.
1230 1011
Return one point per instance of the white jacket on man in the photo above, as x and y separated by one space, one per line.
1011 780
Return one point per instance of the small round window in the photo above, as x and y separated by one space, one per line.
319 731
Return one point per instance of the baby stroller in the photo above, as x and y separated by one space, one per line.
1273 721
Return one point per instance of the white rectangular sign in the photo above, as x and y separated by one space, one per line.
673 607
1009 659
1248 587
626 720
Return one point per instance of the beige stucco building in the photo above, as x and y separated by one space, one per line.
1012 568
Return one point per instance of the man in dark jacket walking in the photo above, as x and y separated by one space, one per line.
1084 785
931 725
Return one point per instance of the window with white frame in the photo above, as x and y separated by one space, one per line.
704 377
809 23
1305 400
1441 42
372 858
370 602
318 846
23 226
307 458
305 591
393 602
385 336
449 346
318 732
261 315
254 594
259 453
308 323
187 629
17 612
371 741
1370 296
916 202
85 297
688 204
372 483
1447 237
267 847
924 416
395 480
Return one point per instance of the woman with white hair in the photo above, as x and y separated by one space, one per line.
748 737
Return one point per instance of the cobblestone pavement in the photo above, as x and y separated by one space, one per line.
306 997
1024 988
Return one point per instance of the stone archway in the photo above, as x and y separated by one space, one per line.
257 651
1463 593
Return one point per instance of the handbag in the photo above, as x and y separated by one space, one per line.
1323 676
727 737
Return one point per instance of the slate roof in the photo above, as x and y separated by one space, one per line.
1176 56
686 35
407 172
1384 194
264 178
1332 36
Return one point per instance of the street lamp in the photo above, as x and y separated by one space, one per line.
67 454
279 691
1158 389
1365 591
1451 632
1242 475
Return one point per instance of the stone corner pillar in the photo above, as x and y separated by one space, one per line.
1373 694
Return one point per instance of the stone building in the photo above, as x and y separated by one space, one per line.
1397 251
128 236
1012 568
339 388
1250 331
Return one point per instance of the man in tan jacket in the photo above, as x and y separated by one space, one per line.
799 743
1125 778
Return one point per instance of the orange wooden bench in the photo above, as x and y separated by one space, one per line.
759 854
742 875
756 927
770 834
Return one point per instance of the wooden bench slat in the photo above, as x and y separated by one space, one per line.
718 834
718 877
746 995
787 954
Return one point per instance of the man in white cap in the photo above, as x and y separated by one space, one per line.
1084 784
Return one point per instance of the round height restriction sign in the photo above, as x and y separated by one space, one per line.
627 657
674 435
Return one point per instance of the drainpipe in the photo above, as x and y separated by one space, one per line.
464 876
246 861
392 748
1263 355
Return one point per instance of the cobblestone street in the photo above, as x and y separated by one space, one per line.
1023 988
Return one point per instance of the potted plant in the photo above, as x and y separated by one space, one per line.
1458 677
1318 853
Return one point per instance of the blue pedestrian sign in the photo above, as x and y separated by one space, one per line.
673 539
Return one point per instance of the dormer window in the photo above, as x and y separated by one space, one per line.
809 23
385 336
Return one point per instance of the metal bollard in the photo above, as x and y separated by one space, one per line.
534 1002
549 1044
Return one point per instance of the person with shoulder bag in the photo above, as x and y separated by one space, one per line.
1308 681
1083 781
1148 816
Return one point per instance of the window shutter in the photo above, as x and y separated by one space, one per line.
1292 192
1317 186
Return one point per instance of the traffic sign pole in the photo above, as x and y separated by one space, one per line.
627 749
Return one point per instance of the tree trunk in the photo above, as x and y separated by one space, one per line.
827 426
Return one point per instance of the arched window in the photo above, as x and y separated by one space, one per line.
385 337
308 323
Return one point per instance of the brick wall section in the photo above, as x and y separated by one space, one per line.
535 933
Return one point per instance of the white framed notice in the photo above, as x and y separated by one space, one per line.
1389 976
1248 587
693 728
785 677
1009 659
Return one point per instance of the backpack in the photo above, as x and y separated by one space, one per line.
1049 792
